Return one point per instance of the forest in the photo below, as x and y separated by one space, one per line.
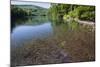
66 11
22 11
56 11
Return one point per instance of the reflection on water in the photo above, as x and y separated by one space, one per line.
29 30
39 39
34 20
38 28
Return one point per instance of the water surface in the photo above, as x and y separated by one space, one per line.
38 40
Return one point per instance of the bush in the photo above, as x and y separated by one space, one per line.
18 12
86 13
83 13
88 16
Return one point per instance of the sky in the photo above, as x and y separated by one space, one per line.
41 4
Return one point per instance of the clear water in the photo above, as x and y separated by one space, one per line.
52 40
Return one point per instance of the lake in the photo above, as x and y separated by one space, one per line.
36 28
38 40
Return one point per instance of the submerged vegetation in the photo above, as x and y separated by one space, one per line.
68 44
70 41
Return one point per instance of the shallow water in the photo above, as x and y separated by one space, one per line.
34 28
51 39
30 30
25 33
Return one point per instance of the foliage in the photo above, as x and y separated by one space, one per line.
58 10
86 13
18 12
67 11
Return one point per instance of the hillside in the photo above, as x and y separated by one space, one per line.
34 10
